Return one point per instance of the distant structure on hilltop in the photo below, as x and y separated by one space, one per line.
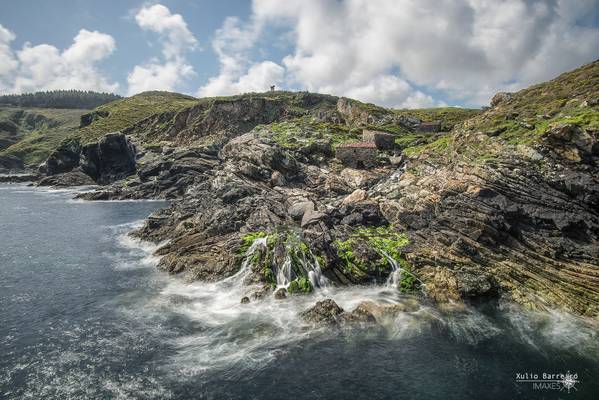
272 88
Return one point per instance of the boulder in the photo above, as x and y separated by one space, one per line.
356 196
501 97
281 294
297 210
312 217
325 312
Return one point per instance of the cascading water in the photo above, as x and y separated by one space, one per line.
241 276
397 272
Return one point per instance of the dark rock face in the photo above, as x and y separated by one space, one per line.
67 179
11 163
87 119
64 159
110 159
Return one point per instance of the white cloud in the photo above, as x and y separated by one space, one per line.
238 74
45 67
176 41
393 51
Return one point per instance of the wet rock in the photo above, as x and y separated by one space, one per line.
359 315
325 312
66 179
245 300
281 294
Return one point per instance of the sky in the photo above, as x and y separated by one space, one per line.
395 53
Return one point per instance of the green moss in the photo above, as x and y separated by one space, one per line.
300 285
383 240
248 239
449 116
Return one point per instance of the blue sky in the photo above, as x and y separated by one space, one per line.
400 53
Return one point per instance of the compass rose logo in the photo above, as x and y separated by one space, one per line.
569 382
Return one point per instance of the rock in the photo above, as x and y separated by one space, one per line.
356 196
245 300
359 315
501 97
281 294
87 119
297 210
277 179
571 142
311 217
64 158
11 163
382 312
66 179
110 159
358 179
325 312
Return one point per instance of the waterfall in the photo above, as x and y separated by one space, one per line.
397 272
309 266
239 278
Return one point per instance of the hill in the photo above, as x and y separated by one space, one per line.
30 134
59 99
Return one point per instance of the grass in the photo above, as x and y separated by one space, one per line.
40 131
127 112
449 116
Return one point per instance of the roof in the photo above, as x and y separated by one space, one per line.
361 145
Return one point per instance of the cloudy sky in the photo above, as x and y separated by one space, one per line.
400 53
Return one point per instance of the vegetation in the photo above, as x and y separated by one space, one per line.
126 112
306 131
449 116
32 134
73 99
387 243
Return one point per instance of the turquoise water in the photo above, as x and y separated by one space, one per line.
85 314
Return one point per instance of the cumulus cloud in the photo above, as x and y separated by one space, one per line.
176 40
397 52
45 67
238 74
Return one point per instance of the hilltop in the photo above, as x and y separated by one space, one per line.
458 205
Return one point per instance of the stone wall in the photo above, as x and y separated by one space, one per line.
357 155
382 140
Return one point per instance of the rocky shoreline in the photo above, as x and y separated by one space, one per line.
505 206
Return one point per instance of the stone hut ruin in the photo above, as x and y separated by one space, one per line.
382 140
357 155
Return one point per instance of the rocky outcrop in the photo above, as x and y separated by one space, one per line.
328 313
109 159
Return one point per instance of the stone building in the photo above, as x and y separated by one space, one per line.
434 126
382 140
357 155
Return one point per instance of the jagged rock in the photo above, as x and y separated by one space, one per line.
10 163
311 217
66 179
325 312
358 179
297 210
281 294
501 97
355 197
110 159
64 158
245 300
571 142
